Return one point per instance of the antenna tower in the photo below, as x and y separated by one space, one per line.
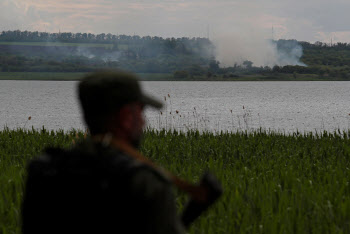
208 31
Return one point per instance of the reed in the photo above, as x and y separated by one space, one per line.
274 183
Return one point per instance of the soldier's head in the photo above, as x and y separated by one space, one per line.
113 102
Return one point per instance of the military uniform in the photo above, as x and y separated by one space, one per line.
97 189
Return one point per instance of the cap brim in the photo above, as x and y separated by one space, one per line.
150 101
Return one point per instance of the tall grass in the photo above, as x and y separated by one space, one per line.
193 119
16 148
274 183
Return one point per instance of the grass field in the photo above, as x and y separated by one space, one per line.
273 183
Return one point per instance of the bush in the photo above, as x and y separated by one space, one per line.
180 74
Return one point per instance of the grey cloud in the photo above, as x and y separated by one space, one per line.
303 20
329 16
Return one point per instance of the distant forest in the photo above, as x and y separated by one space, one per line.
24 51
83 52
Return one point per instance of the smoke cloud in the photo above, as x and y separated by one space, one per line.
235 48
289 52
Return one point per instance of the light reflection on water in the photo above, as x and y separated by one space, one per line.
283 106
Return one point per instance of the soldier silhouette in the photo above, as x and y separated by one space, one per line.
99 185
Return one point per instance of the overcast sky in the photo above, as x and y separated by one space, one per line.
308 20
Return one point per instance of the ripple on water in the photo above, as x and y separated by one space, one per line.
284 106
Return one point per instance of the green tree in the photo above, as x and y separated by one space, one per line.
248 64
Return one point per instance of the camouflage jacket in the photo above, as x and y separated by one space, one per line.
96 189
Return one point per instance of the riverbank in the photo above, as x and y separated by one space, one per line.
274 183
74 76
71 76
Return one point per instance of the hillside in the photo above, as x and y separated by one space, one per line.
185 58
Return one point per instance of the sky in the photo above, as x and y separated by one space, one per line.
307 20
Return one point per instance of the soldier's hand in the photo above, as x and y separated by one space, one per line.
195 208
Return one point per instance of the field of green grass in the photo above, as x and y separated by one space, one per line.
274 183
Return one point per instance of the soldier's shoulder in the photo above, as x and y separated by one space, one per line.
49 156
96 156
146 173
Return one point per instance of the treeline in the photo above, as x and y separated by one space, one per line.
248 69
68 37
319 53
138 54
137 44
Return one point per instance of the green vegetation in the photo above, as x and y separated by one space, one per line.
23 51
274 183
155 76
71 76
67 76
184 58
41 75
260 77
18 43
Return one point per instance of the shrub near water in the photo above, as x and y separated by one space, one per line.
273 182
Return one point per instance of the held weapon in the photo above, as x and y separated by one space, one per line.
201 196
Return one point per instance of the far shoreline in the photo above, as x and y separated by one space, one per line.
76 76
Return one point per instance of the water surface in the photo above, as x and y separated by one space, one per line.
215 106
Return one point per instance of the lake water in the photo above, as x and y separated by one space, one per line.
214 106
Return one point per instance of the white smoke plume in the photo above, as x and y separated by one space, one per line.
82 51
289 52
235 48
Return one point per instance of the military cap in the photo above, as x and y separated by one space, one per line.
107 90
